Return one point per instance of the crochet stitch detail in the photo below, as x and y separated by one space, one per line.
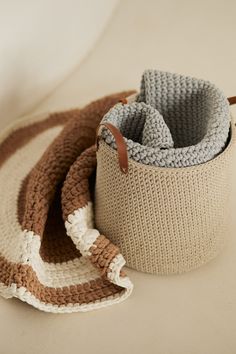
176 121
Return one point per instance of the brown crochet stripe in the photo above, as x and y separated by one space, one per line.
56 246
51 170
103 252
76 190
76 195
25 276
65 249
45 219
21 200
22 136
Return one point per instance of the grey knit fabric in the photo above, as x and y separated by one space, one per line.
176 121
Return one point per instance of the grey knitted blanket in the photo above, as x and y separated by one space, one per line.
175 121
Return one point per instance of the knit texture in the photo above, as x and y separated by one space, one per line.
164 220
176 121
51 256
169 213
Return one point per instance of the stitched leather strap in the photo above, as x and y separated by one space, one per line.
120 143
232 100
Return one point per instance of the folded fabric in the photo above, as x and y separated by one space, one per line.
50 255
175 121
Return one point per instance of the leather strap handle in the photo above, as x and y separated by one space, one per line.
120 143
232 100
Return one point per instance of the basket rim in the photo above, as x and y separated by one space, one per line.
181 170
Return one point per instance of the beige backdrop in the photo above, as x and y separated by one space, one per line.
193 313
40 43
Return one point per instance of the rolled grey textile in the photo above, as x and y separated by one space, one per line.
175 121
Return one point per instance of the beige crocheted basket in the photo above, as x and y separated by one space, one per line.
164 220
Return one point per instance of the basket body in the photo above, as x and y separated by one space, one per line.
165 220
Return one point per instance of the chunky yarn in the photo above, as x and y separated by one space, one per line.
175 121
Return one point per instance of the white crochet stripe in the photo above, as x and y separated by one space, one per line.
24 295
23 246
12 173
114 273
80 228
77 271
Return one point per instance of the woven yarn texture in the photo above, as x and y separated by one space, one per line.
175 121
169 214
51 256
164 220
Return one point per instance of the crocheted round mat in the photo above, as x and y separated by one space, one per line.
50 255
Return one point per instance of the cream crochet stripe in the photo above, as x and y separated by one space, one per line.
23 247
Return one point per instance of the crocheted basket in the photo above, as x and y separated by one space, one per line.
165 220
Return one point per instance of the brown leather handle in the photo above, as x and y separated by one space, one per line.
232 100
120 143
